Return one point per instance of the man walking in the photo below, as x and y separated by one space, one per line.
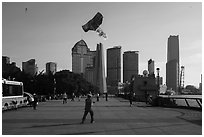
35 102
64 98
88 109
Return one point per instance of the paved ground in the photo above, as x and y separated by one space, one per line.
113 117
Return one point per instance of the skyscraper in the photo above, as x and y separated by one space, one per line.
5 63
82 57
51 67
114 66
151 67
172 65
29 67
100 80
130 65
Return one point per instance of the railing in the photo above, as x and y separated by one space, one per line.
197 98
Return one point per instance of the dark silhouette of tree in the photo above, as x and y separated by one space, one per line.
49 84
70 82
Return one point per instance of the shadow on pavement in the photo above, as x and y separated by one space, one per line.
115 130
54 125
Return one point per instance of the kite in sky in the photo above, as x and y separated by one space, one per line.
94 24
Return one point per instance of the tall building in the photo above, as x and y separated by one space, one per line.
5 60
5 63
151 67
89 74
172 65
114 66
130 65
51 67
82 57
29 67
89 70
99 73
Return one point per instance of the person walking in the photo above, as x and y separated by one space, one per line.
130 98
88 109
64 98
97 97
35 102
73 96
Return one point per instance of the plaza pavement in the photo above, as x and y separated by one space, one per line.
112 117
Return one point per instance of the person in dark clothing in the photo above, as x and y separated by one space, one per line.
64 98
130 98
73 95
131 89
106 96
146 97
35 101
88 109
97 97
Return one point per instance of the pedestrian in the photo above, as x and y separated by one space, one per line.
73 95
150 99
64 98
97 97
88 109
106 96
130 99
79 97
146 97
35 102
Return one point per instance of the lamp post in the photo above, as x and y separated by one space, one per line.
158 80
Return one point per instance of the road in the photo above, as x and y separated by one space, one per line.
112 117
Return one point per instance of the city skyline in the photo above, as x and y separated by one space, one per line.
52 29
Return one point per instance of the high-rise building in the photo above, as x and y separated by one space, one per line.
5 63
51 67
114 66
172 65
89 74
151 67
130 65
5 60
82 57
99 73
29 67
160 80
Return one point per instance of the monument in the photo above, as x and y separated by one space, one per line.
100 80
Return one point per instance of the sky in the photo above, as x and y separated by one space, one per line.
47 32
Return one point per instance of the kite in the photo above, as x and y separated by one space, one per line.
94 24
26 9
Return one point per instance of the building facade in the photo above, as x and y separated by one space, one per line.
5 64
151 67
143 86
130 65
172 65
29 67
114 66
82 57
51 67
